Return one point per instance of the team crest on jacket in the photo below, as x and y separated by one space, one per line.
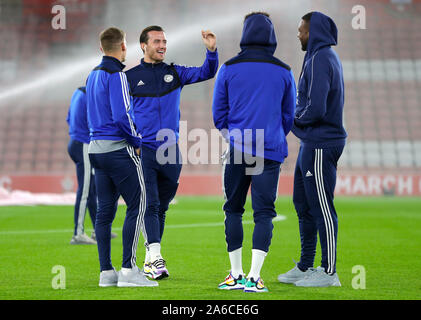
168 78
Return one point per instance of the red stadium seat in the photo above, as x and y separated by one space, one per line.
382 89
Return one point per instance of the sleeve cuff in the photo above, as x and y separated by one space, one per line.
212 53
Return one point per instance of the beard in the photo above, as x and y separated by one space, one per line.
304 46
159 58
155 56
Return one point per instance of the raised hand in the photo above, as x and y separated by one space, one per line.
209 39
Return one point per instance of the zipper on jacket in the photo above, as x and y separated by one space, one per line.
157 95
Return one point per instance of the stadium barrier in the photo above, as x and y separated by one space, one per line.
350 185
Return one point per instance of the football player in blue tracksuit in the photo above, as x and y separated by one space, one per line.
86 197
114 153
78 151
156 87
253 91
318 123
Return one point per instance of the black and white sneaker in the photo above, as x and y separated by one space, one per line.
158 270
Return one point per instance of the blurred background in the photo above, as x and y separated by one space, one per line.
41 67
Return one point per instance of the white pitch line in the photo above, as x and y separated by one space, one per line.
170 226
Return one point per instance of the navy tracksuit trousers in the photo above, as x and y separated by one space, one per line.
119 173
264 188
314 186
161 182
86 192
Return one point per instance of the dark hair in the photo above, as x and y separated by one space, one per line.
144 35
307 17
111 38
256 12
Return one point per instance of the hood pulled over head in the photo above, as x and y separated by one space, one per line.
258 31
323 32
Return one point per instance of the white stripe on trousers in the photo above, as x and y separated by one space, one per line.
277 183
330 232
85 190
225 159
140 221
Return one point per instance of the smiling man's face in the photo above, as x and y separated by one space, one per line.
156 47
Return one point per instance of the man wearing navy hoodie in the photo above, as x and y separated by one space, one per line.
253 107
318 123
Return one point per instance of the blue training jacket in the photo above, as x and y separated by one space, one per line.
320 101
77 118
255 90
110 112
156 92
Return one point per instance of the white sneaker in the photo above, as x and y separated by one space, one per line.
134 278
82 239
108 278
294 275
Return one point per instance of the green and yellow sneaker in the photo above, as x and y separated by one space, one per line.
255 286
231 283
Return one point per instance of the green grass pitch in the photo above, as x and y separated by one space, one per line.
381 234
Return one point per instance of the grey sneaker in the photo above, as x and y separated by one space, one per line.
82 239
134 278
320 278
294 275
108 278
